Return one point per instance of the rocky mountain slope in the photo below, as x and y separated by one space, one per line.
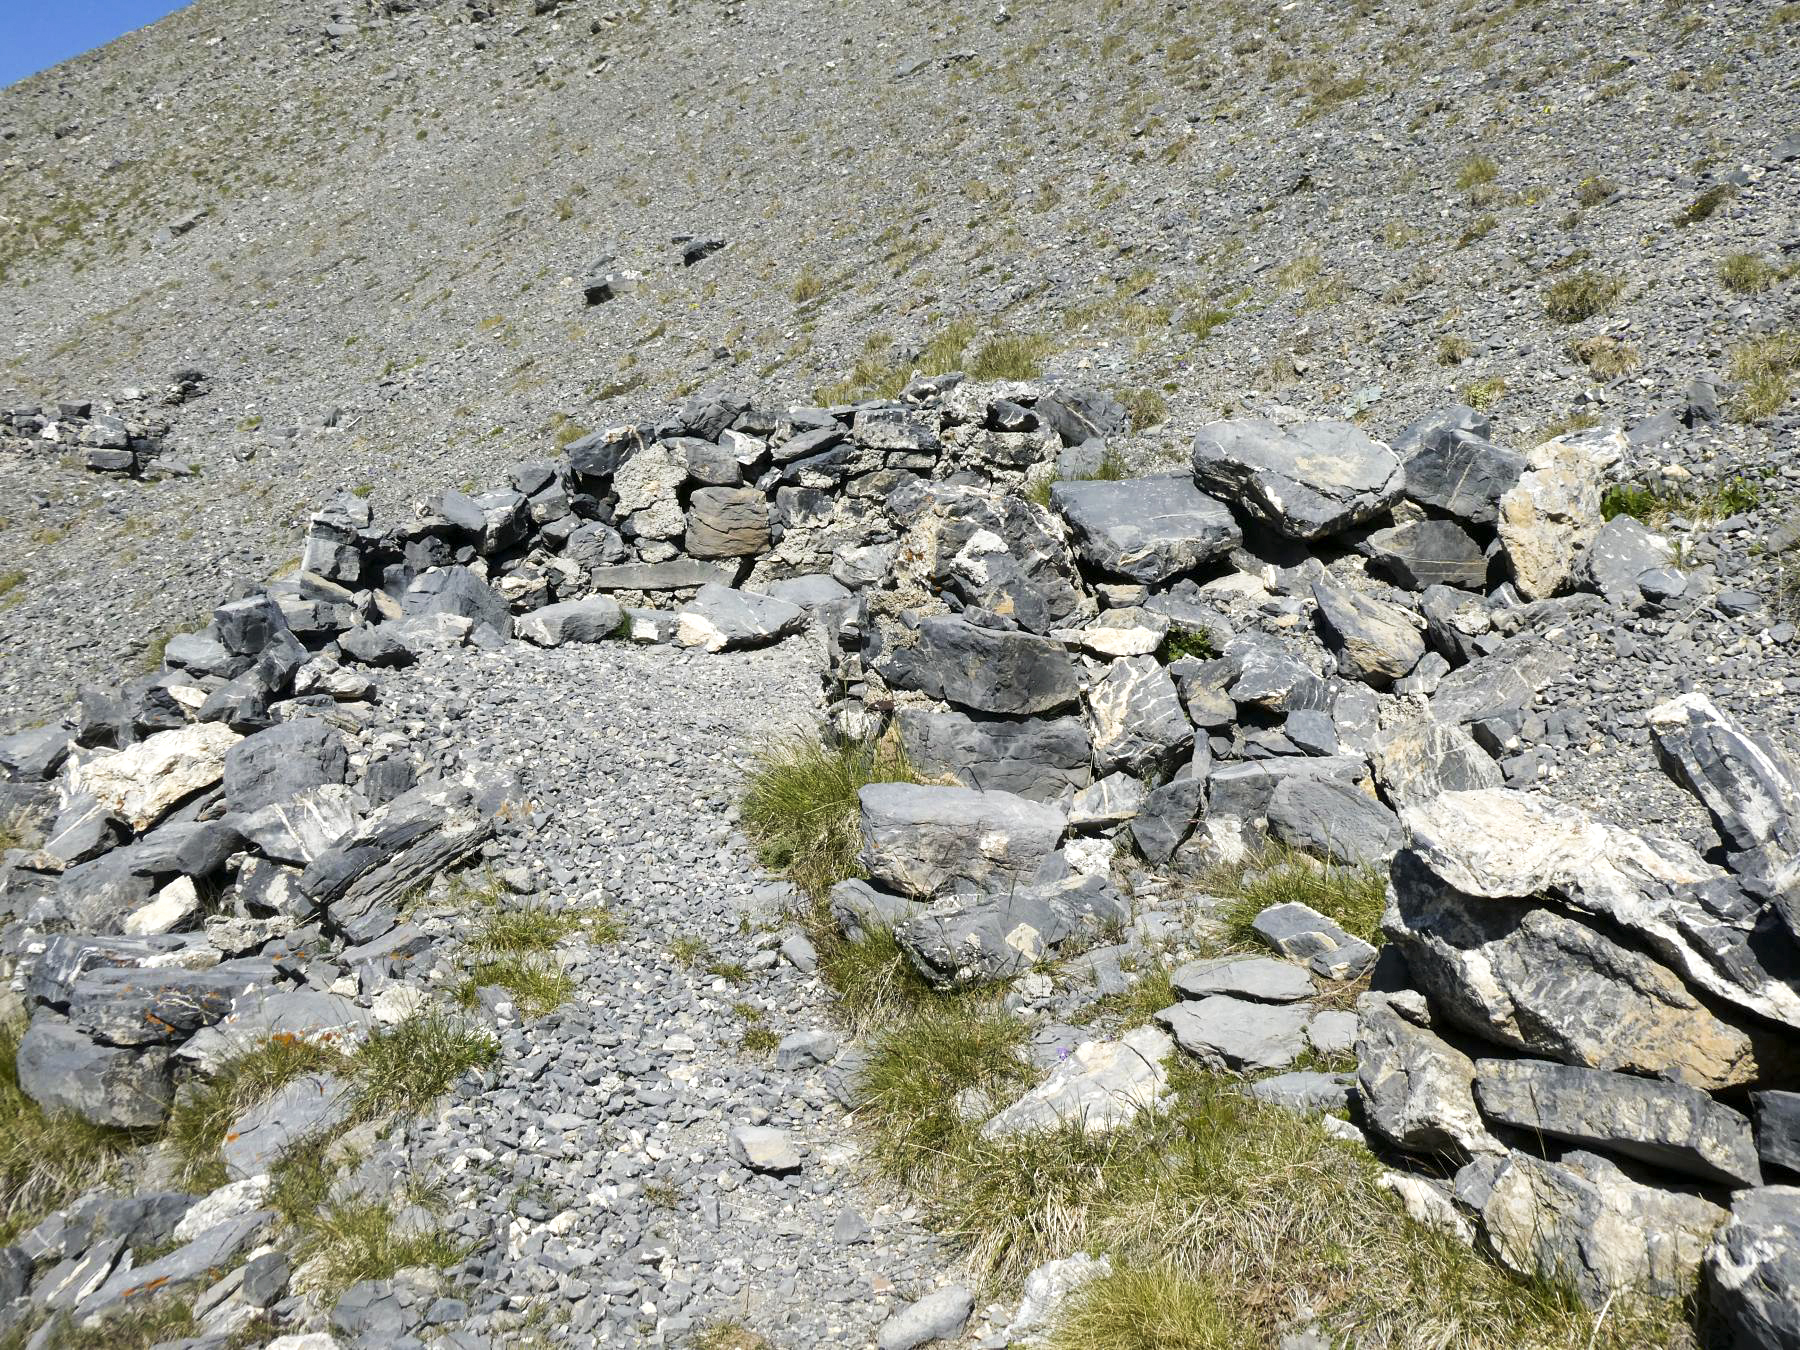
382 217
1162 715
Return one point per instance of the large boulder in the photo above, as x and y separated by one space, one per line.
1417 1090
927 841
282 762
987 670
1582 1221
1497 844
1668 1124
592 618
645 486
1307 481
1145 529
458 591
1333 820
1550 516
1375 641
1422 760
1040 758
142 782
1423 553
992 551
1623 551
727 522
1529 977
1458 471
1753 1270
720 619
966 941
121 1006
1137 719
62 1070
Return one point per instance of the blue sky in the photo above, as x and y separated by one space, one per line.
36 34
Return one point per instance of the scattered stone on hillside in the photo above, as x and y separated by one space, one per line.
1582 1220
304 826
1168 814
1113 800
1302 933
1304 1091
1307 481
1046 1291
1147 529
1416 763
282 762
151 1007
1255 977
763 1148
1375 641
720 619
1040 758
62 1070
927 841
1236 1034
983 670
457 591
993 551
938 1316
1100 1086
1551 515
975 940
1668 1124
1334 821
1623 551
1752 1274
593 618
1417 1091
1269 678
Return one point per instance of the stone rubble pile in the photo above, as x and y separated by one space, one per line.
1309 637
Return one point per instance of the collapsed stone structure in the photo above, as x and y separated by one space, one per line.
1305 635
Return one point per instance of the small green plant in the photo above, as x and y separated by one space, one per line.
11 581
537 984
1180 644
1160 1308
807 286
362 490
1453 350
1765 368
1582 295
349 1241
759 1041
1594 190
688 950
406 1067
1607 357
1484 394
1747 273
800 806
1476 173
250 423
1479 228
1011 358
1146 407
1706 205
731 1335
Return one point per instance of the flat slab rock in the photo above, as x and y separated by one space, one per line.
1147 529
968 941
763 1148
1307 480
591 619
1100 1086
1258 977
313 1103
1301 933
1237 1034
1668 1124
141 783
925 840
721 619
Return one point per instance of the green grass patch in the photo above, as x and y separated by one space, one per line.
204 1114
800 807
46 1159
872 980
1484 394
537 984
408 1066
1706 205
11 581
1158 1308
1582 295
1592 191
1747 273
760 1042
1765 368
156 1323
1475 171
1146 407
1716 501
1013 357
1181 643
1352 897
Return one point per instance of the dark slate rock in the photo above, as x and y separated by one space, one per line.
1425 553
1079 415
1752 1270
379 645
1307 481
249 627
457 590
1439 423
1302 933
861 911
122 1006
966 942
1460 473
1136 716
1622 552
1243 790
62 1070
678 574
1038 758
278 764
1032 581
1269 678
1670 1125
191 848
1147 529
1375 641
182 1272
592 618
1778 1128
980 669
1169 814
1334 821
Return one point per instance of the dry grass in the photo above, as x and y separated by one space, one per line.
1765 368
1582 296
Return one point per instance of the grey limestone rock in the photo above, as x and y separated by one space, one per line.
721 619
1430 552
1100 1085
1422 760
727 522
1333 820
1308 480
1236 1034
458 591
62 1070
1417 1091
1668 1124
312 1104
1147 529
1753 1269
969 941
1256 977
980 669
1376 642
926 841
591 619
1039 758
1136 715
275 765
762 1148
938 1316
1302 933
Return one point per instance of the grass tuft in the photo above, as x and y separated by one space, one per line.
1747 273
1605 356
1582 295
1352 897
1151 1309
204 1114
1765 367
1706 205
800 807
1018 357
407 1067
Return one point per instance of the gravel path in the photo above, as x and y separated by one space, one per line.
591 1169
